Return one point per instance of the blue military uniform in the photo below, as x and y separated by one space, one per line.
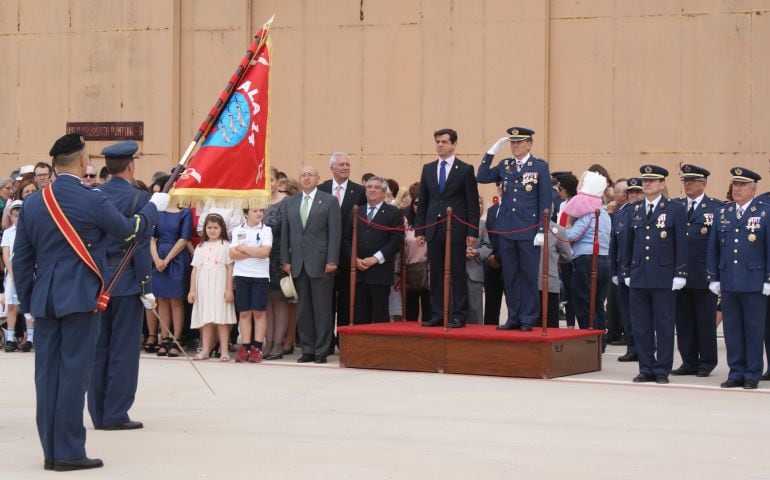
696 306
620 224
60 291
765 199
655 254
739 259
526 195
115 375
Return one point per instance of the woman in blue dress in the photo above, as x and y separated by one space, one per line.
171 259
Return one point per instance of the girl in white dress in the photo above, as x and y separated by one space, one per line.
211 288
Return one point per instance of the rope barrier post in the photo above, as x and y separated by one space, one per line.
594 270
544 275
403 281
447 264
353 257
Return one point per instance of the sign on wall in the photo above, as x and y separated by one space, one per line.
108 130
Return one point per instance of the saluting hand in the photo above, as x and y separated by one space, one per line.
495 149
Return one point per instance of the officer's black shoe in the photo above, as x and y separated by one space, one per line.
682 371
702 373
432 323
642 378
731 383
766 376
455 323
48 464
750 384
129 425
661 379
319 359
508 326
81 464
306 358
526 328
628 357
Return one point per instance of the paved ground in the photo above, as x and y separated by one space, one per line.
283 420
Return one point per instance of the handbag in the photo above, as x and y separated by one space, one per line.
417 277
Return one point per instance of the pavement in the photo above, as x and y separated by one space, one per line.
280 419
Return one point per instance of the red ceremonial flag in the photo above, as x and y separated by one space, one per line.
231 168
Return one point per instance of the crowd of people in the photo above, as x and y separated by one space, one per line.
281 274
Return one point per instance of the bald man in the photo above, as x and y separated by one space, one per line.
310 247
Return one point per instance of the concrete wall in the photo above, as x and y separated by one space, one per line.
619 82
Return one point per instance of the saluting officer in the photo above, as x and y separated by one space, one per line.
116 368
739 268
526 195
55 284
696 306
655 266
617 248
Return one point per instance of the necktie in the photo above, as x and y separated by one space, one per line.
518 166
442 176
692 207
370 214
339 194
303 211
649 212
739 213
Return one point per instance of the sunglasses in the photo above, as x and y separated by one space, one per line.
89 175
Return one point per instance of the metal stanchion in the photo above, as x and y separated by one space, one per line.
594 270
353 256
447 264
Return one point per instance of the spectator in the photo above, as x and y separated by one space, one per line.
277 303
417 293
42 174
475 257
11 299
89 178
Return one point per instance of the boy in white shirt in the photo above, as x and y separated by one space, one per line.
250 249
11 300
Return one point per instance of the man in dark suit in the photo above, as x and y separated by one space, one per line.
526 195
57 287
696 306
655 267
739 268
310 249
376 249
116 368
447 182
347 193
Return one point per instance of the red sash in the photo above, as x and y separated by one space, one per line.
66 228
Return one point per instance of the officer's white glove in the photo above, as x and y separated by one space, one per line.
715 288
495 149
615 280
148 300
160 200
679 283
766 289
539 239
627 281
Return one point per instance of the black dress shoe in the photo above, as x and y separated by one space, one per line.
701 373
750 384
81 464
526 328
628 357
642 378
47 464
454 323
306 358
766 376
433 323
320 359
129 425
661 379
288 351
731 383
682 371
276 356
509 326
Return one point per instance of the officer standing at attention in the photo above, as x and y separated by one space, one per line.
58 281
526 195
739 267
116 367
655 266
696 306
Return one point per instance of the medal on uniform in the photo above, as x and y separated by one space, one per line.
709 219
528 188
753 224
704 230
752 237
661 222
663 234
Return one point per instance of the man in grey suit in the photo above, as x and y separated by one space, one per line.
310 247
475 257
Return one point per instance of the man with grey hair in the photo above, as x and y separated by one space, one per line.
89 178
347 193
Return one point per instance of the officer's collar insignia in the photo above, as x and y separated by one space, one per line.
529 164
754 208
637 207
662 205
730 209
